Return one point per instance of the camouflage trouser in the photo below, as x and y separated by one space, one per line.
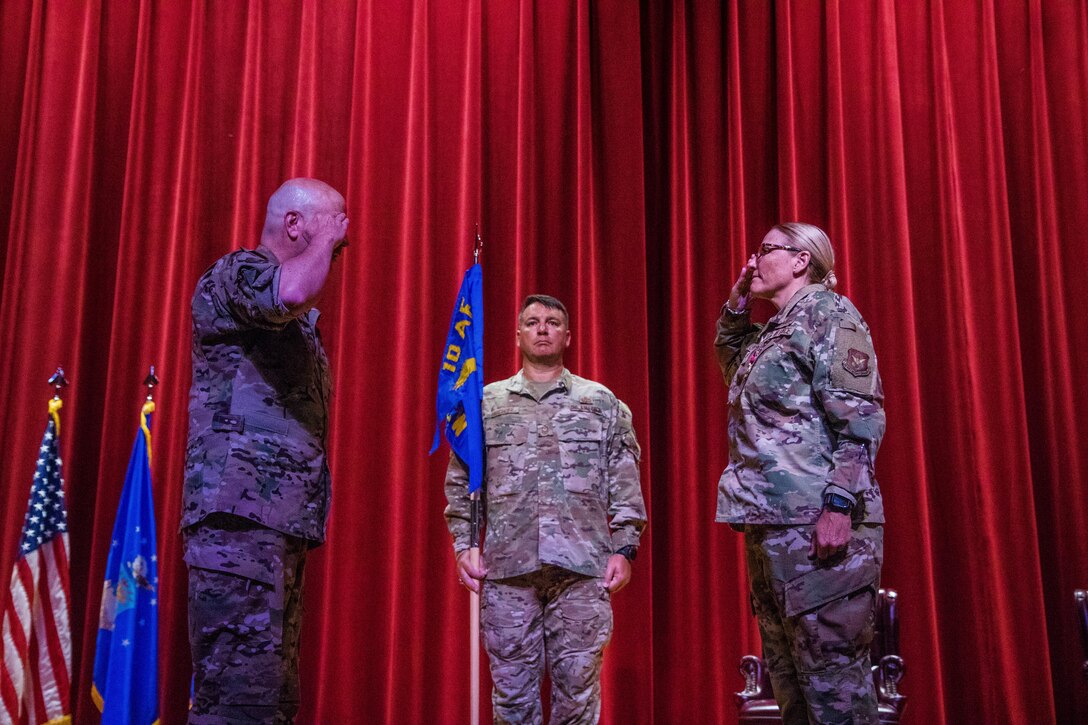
245 613
549 616
816 621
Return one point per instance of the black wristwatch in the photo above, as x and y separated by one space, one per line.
628 552
837 503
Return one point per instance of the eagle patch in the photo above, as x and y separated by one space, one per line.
857 363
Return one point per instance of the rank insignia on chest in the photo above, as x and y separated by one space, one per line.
857 363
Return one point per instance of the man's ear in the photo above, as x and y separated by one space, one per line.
291 222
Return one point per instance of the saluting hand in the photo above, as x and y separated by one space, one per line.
740 296
329 230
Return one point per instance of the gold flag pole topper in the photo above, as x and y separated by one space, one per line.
149 407
59 382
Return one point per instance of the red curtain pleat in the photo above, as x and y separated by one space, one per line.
625 157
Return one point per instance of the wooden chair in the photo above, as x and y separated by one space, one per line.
756 700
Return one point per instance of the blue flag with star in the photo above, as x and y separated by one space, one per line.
125 686
461 379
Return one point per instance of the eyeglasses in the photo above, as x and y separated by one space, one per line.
766 248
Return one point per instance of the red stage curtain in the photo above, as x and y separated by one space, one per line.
625 157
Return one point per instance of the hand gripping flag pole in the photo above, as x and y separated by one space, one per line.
460 396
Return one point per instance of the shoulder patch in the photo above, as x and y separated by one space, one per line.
853 362
857 363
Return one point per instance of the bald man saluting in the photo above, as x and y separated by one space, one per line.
256 477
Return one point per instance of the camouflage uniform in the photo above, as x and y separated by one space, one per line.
245 662
806 418
256 487
563 496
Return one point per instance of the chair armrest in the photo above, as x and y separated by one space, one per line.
890 671
752 669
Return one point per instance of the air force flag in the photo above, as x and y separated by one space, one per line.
126 686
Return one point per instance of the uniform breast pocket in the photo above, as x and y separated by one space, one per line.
505 437
777 384
581 450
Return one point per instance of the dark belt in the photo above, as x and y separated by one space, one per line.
239 423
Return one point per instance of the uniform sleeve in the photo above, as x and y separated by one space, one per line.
246 287
457 503
735 333
847 385
626 509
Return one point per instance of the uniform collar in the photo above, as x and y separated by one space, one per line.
799 295
520 384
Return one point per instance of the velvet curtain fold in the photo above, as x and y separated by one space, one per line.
625 157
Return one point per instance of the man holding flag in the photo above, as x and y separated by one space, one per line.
257 482
564 516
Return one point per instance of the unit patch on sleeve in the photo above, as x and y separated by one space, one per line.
853 363
857 363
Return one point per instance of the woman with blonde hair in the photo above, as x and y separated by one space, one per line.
805 421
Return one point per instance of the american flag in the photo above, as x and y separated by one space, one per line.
37 640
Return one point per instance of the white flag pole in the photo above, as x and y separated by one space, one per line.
474 658
474 612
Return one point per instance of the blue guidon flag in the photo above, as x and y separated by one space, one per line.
461 379
126 683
